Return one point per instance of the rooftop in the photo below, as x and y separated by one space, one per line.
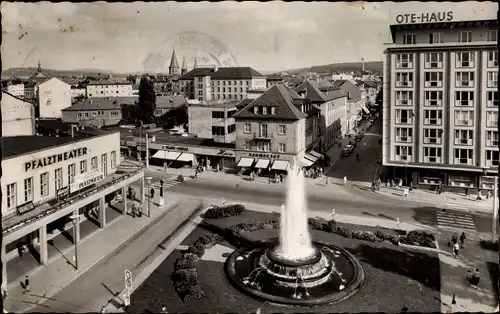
223 73
110 81
320 91
102 104
274 77
170 102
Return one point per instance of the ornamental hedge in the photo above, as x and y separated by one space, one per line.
219 212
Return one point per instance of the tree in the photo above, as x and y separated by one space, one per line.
147 100
174 117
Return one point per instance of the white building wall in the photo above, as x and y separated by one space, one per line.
18 116
16 90
105 90
53 96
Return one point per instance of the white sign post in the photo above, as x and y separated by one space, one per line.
128 280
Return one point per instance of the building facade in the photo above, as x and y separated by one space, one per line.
53 96
109 88
440 103
18 116
356 101
213 121
220 83
166 103
14 87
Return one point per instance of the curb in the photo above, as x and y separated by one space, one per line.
149 269
117 248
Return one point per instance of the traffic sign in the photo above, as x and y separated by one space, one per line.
128 280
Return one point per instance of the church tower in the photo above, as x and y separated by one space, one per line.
173 69
39 67
184 66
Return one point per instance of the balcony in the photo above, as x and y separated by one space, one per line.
464 103
464 141
465 83
407 139
433 84
403 157
493 64
464 161
404 121
492 103
263 136
432 140
433 121
405 102
403 84
465 64
404 65
433 65
492 163
433 103
493 143
432 159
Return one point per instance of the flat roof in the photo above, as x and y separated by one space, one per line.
22 145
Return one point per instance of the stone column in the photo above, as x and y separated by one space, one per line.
76 226
124 200
102 212
4 266
44 254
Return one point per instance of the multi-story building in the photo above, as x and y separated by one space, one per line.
53 96
371 88
14 87
440 108
109 88
18 116
166 103
276 129
220 83
333 105
356 101
213 120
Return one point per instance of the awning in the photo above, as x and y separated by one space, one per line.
280 165
311 157
172 155
245 162
186 157
262 163
305 162
315 154
161 154
365 109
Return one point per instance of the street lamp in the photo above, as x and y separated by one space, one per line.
76 220
406 173
148 182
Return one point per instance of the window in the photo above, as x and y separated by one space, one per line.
12 195
409 39
433 60
465 79
281 129
263 130
281 148
465 60
435 38
264 110
71 173
404 116
59 179
28 190
113 159
464 118
464 37
218 130
492 35
44 184
433 136
492 79
464 137
404 98
492 157
492 59
463 156
231 128
492 99
247 145
217 114
404 135
403 153
104 164
404 61
491 138
432 154
464 99
433 98
93 163
433 117
404 79
491 119
83 166
247 128
263 146
433 79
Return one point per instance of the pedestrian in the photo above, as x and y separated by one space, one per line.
378 182
163 308
462 240
456 248
251 176
152 193
475 278
326 181
26 284
467 192
103 309
454 239
281 177
440 187
20 248
488 195
468 276
345 181
373 186
196 172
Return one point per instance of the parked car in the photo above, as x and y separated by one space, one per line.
359 137
347 150
352 143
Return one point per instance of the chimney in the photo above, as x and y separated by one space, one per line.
90 101
348 95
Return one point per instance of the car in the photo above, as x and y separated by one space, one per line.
352 143
358 137
347 150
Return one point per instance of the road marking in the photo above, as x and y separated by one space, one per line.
456 220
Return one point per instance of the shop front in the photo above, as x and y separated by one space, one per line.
263 163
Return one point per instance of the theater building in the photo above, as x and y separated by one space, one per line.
440 107
48 179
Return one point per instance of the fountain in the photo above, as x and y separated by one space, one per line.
293 269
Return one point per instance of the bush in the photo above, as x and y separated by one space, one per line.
218 212
201 250
419 237
346 233
188 275
195 293
182 288
204 240
186 261
180 178
193 250
489 244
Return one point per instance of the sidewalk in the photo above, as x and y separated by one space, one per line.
447 200
48 280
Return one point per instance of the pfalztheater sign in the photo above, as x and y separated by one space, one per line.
428 17
42 162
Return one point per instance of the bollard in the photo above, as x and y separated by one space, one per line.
397 222
333 214
223 201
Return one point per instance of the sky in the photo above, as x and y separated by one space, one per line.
268 36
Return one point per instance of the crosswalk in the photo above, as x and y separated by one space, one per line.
454 219
168 182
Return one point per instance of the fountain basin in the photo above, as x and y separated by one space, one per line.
331 275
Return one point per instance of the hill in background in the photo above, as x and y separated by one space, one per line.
26 72
346 67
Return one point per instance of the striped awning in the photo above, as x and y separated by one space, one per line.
186 157
280 165
262 163
245 162
315 154
172 155
161 154
311 157
305 162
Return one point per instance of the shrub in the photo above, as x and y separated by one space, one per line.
188 275
193 250
180 178
182 287
186 261
383 235
489 244
318 224
421 237
195 293
421 234
346 233
204 240
332 226
218 212
201 250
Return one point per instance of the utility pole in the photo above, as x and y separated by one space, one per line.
494 222
147 151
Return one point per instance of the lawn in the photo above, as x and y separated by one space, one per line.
395 278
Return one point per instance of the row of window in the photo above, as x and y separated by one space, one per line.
247 129
229 89
462 156
97 113
229 83
435 98
29 194
264 147
436 79
435 117
221 115
435 136
220 130
121 86
462 37
434 60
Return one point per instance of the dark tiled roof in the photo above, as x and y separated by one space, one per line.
370 83
321 91
284 99
54 124
102 104
170 102
274 77
313 93
338 83
223 73
243 103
